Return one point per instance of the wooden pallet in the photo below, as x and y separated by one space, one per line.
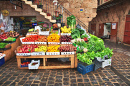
72 57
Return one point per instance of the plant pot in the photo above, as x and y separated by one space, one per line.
85 68
58 21
62 24
40 6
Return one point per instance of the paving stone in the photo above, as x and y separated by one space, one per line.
80 84
34 84
21 82
87 84
116 84
65 79
58 80
42 84
58 77
79 80
58 84
73 81
66 83
7 82
50 82
27 84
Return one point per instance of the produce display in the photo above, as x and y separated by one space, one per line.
2 45
41 49
11 34
10 39
35 38
3 36
65 29
65 38
53 38
27 48
67 48
53 48
31 30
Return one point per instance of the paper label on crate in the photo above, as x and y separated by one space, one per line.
65 33
53 42
40 43
66 43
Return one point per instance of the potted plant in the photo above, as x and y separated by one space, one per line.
40 5
58 18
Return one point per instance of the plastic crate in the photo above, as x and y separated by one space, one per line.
2 60
83 68
101 64
36 66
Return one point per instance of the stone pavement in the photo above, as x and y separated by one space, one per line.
10 75
121 58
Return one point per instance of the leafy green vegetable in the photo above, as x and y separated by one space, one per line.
84 36
71 21
84 58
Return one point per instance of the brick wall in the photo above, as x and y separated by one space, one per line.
26 11
89 9
115 14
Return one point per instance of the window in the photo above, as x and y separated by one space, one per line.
98 2
129 12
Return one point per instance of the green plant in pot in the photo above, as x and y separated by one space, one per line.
40 5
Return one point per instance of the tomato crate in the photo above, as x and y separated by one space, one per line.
83 68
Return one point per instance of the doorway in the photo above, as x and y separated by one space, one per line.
127 30
107 29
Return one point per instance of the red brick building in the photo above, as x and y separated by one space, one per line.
112 16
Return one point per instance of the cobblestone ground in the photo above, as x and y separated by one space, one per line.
10 75
121 58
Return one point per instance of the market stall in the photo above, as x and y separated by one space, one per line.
71 45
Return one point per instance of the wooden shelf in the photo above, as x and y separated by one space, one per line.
73 63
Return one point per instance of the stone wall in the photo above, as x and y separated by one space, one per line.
26 11
117 14
89 9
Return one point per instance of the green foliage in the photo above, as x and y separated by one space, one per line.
76 33
84 36
96 48
84 58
